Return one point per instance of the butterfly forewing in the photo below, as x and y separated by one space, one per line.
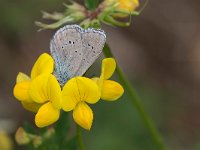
93 43
66 49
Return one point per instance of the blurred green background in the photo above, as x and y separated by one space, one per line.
159 53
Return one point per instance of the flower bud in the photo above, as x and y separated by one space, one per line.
37 141
22 137
124 7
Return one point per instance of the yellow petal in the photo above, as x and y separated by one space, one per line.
54 91
108 68
128 5
45 88
79 89
21 77
21 91
31 106
111 90
38 89
99 82
83 115
88 90
123 5
44 64
47 114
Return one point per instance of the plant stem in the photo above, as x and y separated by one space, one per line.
157 139
79 136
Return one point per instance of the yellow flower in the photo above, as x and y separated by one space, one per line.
45 90
75 94
121 9
110 90
128 5
44 64
40 93
125 5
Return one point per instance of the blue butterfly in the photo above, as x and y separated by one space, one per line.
74 50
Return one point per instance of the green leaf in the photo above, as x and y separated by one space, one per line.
91 4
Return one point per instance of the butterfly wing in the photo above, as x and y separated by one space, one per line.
93 43
66 49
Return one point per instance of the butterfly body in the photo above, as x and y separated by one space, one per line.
74 50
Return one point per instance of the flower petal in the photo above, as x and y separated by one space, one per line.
44 64
83 115
21 91
88 90
38 89
99 82
108 68
22 77
70 95
111 90
31 106
79 89
128 5
47 114
54 91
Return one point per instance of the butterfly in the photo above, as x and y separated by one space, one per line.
74 50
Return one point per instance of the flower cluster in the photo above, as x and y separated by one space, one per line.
108 12
41 92
22 137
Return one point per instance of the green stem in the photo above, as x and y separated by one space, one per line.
158 141
79 135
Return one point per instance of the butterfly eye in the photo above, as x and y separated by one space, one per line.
75 51
92 47
88 44
70 42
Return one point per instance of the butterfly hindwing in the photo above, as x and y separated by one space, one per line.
93 43
66 49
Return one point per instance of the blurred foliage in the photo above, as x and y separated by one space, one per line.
19 16
125 130
46 139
